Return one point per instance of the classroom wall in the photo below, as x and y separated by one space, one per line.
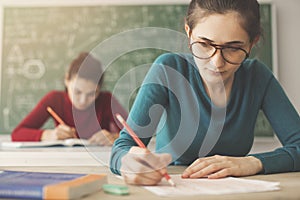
288 41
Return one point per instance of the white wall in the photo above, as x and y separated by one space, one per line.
288 41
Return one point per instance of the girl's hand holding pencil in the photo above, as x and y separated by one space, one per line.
140 166
61 132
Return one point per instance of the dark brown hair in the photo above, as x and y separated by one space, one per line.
247 9
86 67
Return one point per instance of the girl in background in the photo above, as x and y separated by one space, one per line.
87 111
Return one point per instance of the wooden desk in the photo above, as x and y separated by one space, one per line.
289 184
86 160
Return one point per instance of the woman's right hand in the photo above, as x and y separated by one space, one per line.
141 167
61 132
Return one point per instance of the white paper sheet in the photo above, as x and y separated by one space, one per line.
229 185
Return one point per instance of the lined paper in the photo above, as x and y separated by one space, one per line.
228 185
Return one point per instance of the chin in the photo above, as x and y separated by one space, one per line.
214 77
81 107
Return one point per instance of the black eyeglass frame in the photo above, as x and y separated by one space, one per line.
219 47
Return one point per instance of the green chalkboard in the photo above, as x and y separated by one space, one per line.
38 43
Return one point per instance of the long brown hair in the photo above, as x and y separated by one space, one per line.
247 9
86 67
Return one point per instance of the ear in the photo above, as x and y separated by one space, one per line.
187 30
255 41
66 80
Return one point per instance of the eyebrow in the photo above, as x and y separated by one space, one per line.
227 43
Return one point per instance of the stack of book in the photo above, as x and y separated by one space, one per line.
45 185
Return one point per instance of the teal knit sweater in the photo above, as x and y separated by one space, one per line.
172 105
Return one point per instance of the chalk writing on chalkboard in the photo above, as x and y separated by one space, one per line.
39 42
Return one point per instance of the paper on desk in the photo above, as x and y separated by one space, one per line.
227 185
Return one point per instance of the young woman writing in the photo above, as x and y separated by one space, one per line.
209 101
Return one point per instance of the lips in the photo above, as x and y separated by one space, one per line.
216 72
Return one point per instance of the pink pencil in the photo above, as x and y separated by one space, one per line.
140 143
57 118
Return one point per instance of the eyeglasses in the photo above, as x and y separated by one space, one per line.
232 55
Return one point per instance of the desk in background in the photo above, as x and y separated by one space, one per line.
54 156
84 156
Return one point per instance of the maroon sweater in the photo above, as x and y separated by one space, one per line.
86 122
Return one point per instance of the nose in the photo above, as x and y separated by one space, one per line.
82 99
217 60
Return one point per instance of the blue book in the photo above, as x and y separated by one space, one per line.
45 185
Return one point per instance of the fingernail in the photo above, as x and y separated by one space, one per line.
184 175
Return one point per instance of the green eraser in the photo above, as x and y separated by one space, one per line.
115 189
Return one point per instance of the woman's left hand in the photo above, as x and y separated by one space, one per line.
103 138
223 166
